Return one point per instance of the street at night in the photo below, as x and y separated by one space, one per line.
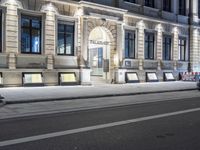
160 125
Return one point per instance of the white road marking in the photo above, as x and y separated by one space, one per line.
91 128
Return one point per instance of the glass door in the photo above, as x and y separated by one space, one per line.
96 61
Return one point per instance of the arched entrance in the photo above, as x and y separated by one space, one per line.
99 55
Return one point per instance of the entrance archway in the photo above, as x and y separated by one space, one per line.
99 54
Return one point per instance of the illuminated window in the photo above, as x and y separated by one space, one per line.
129 44
149 45
30 35
166 47
65 44
182 49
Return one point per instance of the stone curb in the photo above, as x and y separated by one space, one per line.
91 96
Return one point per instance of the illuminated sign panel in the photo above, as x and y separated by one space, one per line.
168 76
68 78
99 42
132 77
1 79
32 78
151 77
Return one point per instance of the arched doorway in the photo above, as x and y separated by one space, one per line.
99 55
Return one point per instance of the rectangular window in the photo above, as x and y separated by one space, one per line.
149 3
182 49
199 8
65 44
129 44
167 47
131 1
182 7
30 34
167 5
149 45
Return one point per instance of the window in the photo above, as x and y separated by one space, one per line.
131 1
167 5
182 7
65 44
149 3
30 35
0 31
182 49
129 44
166 47
199 8
149 45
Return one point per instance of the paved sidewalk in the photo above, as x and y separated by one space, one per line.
52 93
54 107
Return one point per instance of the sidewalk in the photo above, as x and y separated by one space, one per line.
55 93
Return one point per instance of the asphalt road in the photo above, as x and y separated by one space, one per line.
165 125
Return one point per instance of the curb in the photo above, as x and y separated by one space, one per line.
90 96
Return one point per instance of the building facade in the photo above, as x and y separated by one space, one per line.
55 42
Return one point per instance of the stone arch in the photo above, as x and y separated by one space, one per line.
111 29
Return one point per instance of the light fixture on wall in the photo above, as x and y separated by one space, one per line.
79 12
175 29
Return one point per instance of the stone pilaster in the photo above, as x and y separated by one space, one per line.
175 48
194 50
11 32
159 46
140 26
84 41
12 61
50 33
120 43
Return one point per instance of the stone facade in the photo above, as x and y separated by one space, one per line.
114 17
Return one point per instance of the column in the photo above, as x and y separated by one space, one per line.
175 48
140 26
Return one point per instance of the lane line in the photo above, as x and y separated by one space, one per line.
91 128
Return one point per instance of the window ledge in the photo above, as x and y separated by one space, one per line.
134 4
151 8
